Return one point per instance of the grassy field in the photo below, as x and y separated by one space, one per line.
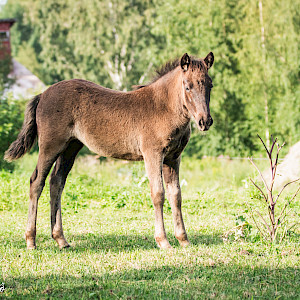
109 222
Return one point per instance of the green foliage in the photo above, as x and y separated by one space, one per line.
118 44
5 80
11 119
104 41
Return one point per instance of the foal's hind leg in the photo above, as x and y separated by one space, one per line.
171 177
58 178
37 182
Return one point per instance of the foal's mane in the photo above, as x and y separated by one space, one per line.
170 66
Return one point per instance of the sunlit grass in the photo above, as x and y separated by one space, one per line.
108 220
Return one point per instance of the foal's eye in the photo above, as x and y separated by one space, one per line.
187 88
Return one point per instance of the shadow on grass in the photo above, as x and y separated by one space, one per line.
131 242
193 281
114 242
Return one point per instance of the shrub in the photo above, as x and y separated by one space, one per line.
11 119
268 226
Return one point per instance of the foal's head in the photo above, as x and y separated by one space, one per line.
196 86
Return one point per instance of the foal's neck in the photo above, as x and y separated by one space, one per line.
169 91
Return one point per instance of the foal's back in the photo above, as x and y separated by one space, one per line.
110 123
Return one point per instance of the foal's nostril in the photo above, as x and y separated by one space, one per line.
205 124
201 123
209 121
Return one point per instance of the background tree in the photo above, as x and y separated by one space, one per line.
119 43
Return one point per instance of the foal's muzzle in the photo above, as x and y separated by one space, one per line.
204 125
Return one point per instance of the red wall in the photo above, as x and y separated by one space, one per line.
5 49
5 26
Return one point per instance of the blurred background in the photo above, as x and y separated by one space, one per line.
107 209
118 44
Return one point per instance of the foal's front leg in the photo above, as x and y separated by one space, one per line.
153 164
171 177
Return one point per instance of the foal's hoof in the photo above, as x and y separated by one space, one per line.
30 243
64 246
61 241
31 247
163 244
185 243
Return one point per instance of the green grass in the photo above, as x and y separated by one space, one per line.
109 222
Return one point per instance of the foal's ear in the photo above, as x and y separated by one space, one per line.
185 62
209 60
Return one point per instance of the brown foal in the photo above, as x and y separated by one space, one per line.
151 123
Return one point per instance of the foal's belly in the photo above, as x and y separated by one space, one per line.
111 144
128 156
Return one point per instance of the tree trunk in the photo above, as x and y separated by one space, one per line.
262 31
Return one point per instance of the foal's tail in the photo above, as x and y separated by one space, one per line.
28 133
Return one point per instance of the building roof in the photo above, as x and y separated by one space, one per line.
10 21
